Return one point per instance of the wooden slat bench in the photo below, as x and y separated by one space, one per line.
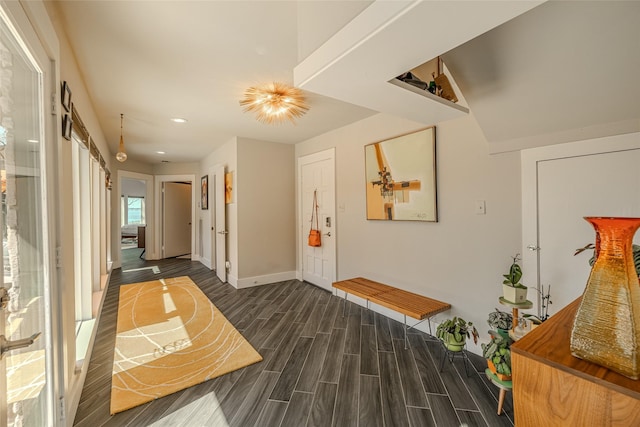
409 304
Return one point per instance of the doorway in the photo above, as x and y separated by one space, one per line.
187 224
133 220
28 283
316 174
134 234
176 219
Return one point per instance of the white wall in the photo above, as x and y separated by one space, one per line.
226 155
261 215
176 169
69 72
459 259
133 187
264 192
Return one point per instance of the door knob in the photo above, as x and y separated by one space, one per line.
533 248
223 232
6 345
328 234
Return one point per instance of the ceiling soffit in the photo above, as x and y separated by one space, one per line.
389 38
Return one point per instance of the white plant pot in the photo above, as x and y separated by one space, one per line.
514 295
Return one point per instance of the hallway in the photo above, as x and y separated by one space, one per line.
319 367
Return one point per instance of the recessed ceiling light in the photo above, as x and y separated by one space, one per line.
35 141
178 120
160 152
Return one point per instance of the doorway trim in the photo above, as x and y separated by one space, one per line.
157 232
148 212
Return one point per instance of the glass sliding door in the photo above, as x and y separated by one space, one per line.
25 316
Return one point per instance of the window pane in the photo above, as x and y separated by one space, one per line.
135 210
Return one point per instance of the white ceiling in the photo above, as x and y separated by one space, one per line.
564 71
154 60
561 71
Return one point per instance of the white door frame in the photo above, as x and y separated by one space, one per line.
195 196
221 232
32 25
301 233
529 161
150 253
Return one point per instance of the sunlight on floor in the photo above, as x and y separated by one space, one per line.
25 375
169 305
143 340
207 405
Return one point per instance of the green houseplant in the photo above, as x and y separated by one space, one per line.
498 355
454 333
500 322
512 290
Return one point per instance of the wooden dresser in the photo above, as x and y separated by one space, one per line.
553 388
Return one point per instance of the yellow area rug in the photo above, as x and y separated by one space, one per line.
169 337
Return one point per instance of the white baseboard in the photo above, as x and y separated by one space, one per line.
263 280
232 280
206 262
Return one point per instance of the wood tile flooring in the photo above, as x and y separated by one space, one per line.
319 368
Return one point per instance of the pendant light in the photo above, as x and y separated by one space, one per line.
121 156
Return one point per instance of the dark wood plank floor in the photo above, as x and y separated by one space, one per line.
319 368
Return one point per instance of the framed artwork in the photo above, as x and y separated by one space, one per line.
66 96
228 188
401 177
67 124
204 192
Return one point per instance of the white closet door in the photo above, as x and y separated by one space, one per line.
570 183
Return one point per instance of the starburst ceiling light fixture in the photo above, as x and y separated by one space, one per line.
121 156
275 102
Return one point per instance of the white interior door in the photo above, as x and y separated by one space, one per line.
27 371
221 225
316 172
569 187
176 219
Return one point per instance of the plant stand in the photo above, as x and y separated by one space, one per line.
516 307
504 386
449 354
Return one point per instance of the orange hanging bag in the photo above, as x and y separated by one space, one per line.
314 234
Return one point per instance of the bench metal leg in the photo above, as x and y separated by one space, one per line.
407 327
405 331
344 304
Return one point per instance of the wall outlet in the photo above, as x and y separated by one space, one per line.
227 264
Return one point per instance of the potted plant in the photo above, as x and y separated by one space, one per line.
454 333
512 290
498 355
500 322
545 301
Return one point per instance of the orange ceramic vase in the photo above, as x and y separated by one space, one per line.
606 329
